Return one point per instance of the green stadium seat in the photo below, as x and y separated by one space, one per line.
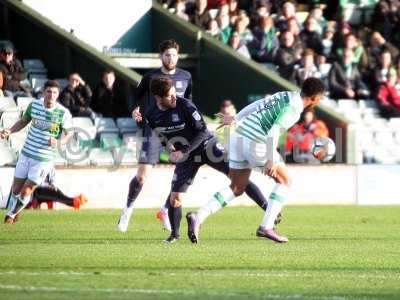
106 125
101 157
110 140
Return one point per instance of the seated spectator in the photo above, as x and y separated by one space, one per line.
288 55
389 97
300 136
310 37
213 29
381 72
180 10
259 9
360 56
76 96
105 99
241 27
324 68
201 16
265 43
12 73
234 11
327 42
238 45
342 31
225 27
318 14
306 68
345 79
377 45
386 17
288 12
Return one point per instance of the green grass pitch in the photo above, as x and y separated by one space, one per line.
334 253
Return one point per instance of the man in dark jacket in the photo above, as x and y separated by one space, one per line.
13 73
105 99
345 79
77 97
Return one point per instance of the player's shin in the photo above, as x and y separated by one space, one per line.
19 205
278 196
219 200
134 189
256 195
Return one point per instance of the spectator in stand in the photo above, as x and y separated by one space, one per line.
386 17
345 79
377 45
327 42
265 42
310 37
287 55
180 10
12 73
389 97
294 28
342 31
306 68
213 29
201 15
238 45
318 14
324 68
381 72
360 56
288 12
77 96
260 10
225 27
105 99
241 27
301 135
233 11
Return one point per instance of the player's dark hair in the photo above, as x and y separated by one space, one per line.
52 84
168 44
160 86
312 86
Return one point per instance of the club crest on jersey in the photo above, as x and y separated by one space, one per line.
175 118
196 116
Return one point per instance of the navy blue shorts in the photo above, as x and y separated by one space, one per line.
151 147
212 154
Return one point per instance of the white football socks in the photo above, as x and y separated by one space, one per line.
275 203
219 200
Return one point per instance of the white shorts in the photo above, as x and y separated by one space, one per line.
245 153
34 170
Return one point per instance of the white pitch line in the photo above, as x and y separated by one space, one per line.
168 292
207 273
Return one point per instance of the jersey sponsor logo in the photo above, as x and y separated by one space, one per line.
175 118
196 116
42 124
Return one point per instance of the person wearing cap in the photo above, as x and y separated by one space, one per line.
13 73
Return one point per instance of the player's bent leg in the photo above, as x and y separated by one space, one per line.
23 200
175 216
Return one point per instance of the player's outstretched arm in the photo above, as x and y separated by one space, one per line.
15 128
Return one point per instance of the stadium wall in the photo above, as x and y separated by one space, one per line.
312 185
